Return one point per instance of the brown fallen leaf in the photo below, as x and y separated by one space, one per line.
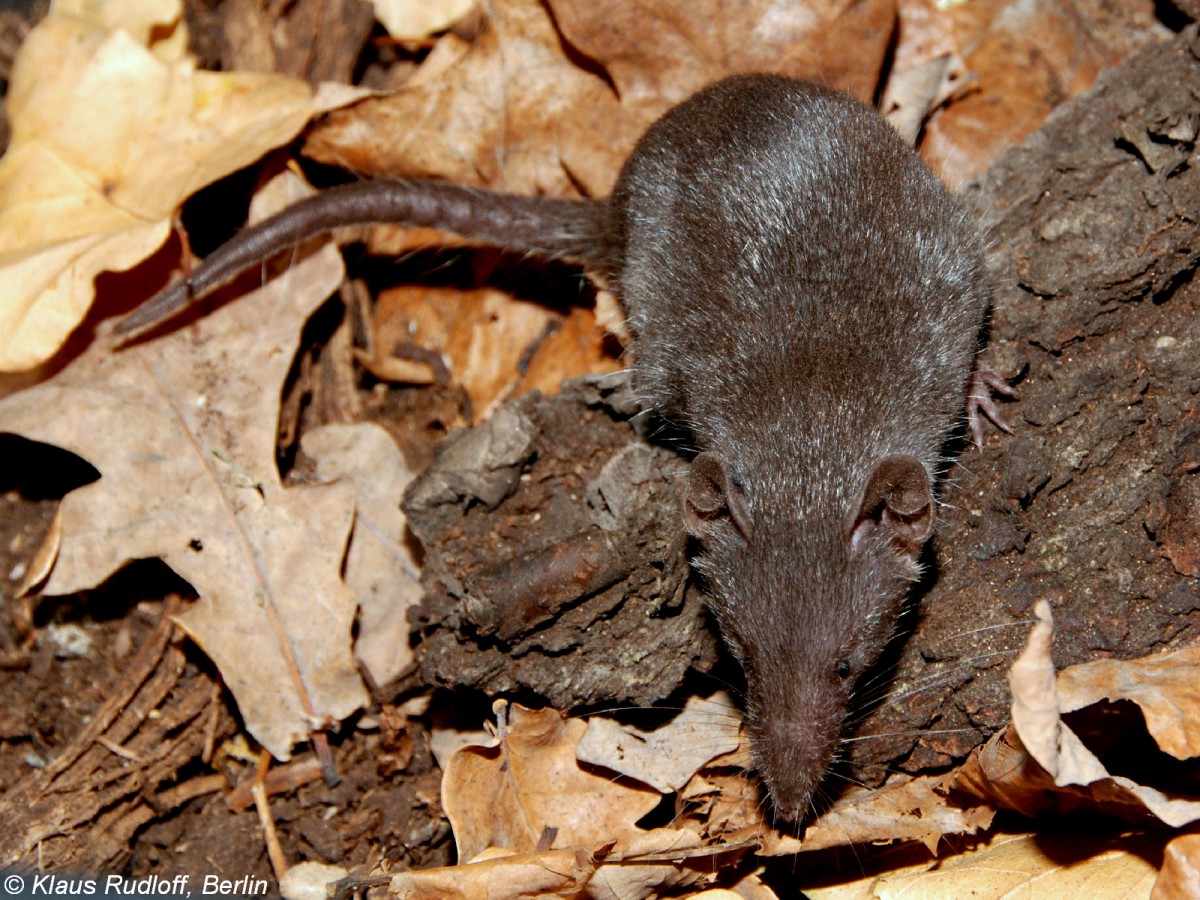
550 873
1165 686
1179 878
575 347
380 569
529 800
723 802
515 111
1040 763
112 128
1015 865
657 56
667 757
484 335
1026 58
506 110
904 809
749 888
182 430
529 793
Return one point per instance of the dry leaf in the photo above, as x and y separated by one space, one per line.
1039 762
1026 57
505 110
496 346
308 880
576 347
727 806
513 111
1179 878
658 57
380 569
1165 686
551 873
182 430
904 809
484 334
529 793
667 757
446 740
749 888
647 861
414 19
1024 865
112 128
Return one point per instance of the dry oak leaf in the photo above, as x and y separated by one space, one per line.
529 800
1016 865
112 128
183 430
1040 763
484 335
725 804
517 108
904 809
1165 686
667 757
658 54
496 346
508 110
529 793
606 873
1027 57
380 568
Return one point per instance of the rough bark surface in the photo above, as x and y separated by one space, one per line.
1093 502
555 558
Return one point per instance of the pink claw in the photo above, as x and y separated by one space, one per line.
980 400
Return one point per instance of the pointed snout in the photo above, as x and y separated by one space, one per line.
794 755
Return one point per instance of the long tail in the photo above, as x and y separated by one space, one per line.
574 229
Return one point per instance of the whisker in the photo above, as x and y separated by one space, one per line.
1020 623
916 733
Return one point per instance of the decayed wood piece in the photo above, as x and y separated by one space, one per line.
555 558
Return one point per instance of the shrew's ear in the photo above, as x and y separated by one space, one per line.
897 504
715 499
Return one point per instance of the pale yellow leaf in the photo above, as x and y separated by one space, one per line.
1165 686
1039 763
414 19
308 880
1035 698
1058 865
112 128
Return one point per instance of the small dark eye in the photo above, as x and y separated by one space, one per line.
843 668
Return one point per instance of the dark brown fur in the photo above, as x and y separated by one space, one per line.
807 300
